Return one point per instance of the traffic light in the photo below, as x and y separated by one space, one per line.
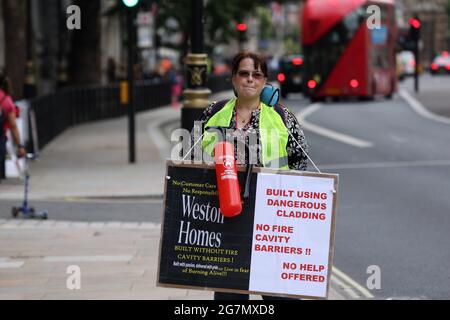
414 33
130 3
241 27
414 28
242 33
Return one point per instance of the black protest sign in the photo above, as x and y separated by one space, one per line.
200 247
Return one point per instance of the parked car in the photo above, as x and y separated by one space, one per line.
441 63
406 64
290 74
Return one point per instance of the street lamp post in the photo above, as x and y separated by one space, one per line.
131 111
62 74
29 88
130 8
196 93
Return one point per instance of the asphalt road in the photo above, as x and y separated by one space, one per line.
433 92
394 200
92 210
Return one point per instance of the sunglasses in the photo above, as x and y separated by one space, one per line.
245 74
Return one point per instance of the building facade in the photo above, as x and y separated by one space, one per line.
2 40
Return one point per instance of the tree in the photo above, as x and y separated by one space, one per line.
173 17
84 60
14 16
266 29
220 19
447 6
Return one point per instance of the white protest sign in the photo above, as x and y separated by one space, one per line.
292 234
14 166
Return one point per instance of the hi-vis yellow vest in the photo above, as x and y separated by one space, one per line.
273 134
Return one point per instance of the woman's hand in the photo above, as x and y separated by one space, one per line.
21 151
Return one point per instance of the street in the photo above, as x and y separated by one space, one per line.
433 91
91 210
393 199
393 196
95 112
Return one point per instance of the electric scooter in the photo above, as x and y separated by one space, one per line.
25 209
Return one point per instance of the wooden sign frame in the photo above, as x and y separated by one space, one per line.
162 274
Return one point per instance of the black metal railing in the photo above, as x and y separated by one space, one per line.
76 105
71 106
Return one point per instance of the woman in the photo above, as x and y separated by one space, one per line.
7 121
254 123
261 127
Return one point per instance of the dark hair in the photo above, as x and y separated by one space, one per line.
258 61
4 83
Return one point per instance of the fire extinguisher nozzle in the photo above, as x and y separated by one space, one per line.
248 176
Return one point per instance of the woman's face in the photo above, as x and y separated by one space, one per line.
248 81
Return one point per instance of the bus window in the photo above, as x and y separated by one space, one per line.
380 57
354 20
320 61
384 13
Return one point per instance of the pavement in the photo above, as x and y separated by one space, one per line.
41 259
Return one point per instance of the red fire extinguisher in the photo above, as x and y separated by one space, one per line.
227 177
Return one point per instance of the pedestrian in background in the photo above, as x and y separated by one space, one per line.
111 68
8 114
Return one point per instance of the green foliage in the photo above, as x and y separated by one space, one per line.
179 11
447 6
292 41
220 18
266 29
291 46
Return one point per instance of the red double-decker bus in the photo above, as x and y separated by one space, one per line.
345 53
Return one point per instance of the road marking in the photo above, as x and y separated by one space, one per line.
157 119
158 139
391 164
408 298
352 283
420 109
334 135
344 287
309 110
87 258
151 198
328 133
11 265
6 263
